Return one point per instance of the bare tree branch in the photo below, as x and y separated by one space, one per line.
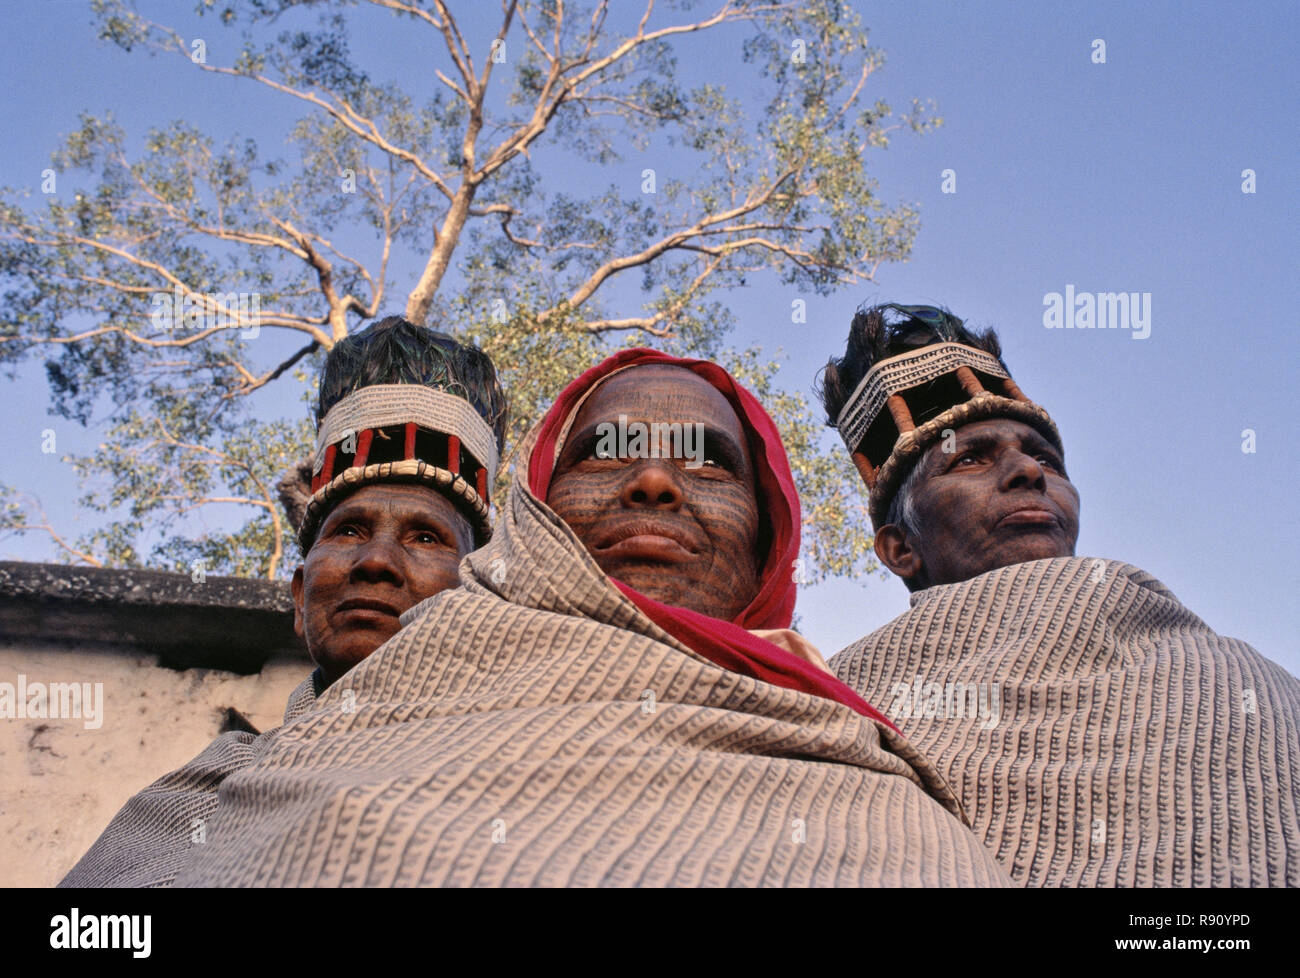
44 526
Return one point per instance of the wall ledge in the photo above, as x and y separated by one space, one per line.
229 623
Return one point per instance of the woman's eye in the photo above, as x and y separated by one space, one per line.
968 457
345 530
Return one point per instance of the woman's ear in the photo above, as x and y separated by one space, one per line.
895 550
299 624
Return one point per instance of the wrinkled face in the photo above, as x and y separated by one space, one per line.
380 551
682 534
1002 497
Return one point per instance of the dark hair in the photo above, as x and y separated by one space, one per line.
396 351
887 330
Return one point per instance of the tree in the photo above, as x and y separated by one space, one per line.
184 276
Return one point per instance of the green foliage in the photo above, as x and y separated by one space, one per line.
834 507
156 472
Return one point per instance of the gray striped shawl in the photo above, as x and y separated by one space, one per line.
534 728
1135 746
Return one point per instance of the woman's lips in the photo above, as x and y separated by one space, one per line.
367 609
647 546
1030 517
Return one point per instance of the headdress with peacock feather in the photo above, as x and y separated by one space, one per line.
924 372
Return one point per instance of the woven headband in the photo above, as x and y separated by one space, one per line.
382 405
903 372
410 470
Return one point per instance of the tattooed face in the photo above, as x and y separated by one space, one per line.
999 496
380 551
681 530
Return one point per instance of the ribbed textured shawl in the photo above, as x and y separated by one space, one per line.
534 728
1135 746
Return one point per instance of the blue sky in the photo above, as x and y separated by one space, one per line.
1123 176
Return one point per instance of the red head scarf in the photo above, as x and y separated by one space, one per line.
726 643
